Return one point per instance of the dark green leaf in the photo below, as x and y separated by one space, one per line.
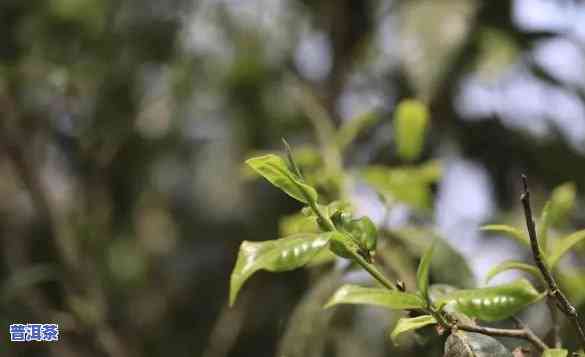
390 299
276 256
410 123
513 265
275 170
563 246
422 273
493 303
508 231
409 324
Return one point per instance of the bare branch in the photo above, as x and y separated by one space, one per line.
523 333
553 289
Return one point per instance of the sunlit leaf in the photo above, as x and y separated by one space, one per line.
422 273
410 124
275 170
508 231
471 344
555 352
408 324
493 303
563 246
275 256
513 265
350 130
390 299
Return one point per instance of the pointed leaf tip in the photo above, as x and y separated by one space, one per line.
275 170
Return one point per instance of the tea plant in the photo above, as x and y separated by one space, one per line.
324 230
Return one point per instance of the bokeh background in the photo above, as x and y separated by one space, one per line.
124 125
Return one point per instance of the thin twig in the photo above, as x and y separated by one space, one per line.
553 289
523 333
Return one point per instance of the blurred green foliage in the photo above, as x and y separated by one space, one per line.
123 126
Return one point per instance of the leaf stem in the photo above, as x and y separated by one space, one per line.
374 272
553 289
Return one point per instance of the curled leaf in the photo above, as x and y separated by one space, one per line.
390 299
408 324
492 303
274 169
275 256
508 231
513 265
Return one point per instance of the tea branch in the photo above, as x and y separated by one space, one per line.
521 333
553 289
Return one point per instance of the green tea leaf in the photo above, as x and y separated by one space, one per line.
513 265
275 170
563 246
275 256
390 299
422 273
342 245
291 160
508 231
555 352
493 303
364 233
410 124
408 324
350 130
